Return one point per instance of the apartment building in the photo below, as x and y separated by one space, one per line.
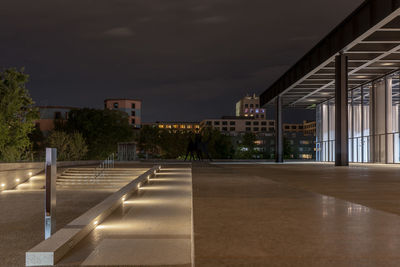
132 107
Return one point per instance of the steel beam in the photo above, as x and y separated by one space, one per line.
278 130
341 111
371 16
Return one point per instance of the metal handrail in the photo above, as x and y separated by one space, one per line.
108 163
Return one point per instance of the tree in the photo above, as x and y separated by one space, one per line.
246 149
148 140
17 115
69 146
102 130
60 140
219 145
287 148
77 147
173 144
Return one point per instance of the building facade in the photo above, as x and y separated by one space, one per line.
249 106
176 126
49 114
132 107
298 144
235 125
373 123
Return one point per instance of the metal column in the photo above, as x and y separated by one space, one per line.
50 198
341 111
278 131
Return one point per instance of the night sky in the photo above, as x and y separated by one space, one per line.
187 60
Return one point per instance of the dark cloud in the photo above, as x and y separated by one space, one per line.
212 20
187 60
119 32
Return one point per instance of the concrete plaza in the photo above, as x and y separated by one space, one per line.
296 215
243 215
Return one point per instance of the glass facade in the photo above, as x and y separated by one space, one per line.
373 123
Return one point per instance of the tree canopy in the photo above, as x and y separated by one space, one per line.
17 115
102 129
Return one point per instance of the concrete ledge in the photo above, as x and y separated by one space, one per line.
50 251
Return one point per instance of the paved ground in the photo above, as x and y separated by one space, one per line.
271 215
22 215
244 215
152 228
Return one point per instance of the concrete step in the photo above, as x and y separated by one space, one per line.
63 176
94 180
106 170
91 186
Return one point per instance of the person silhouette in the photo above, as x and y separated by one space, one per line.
190 149
198 146
204 148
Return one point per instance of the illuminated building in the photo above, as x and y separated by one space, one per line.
249 106
351 78
177 126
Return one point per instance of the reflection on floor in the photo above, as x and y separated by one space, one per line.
153 227
243 218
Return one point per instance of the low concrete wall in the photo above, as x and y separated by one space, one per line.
50 251
13 174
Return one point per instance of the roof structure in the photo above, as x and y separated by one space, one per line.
370 37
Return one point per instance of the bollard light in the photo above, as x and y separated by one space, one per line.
30 173
17 180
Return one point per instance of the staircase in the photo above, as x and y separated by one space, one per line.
89 178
